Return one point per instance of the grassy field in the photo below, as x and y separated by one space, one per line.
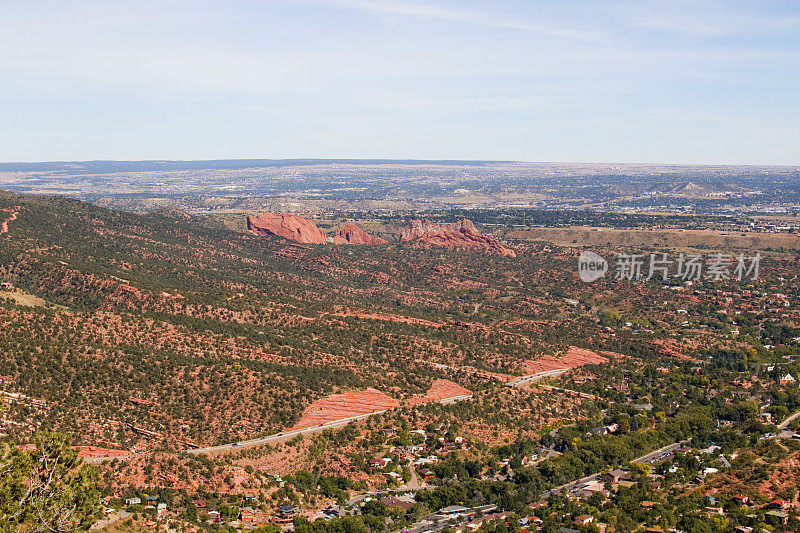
27 299
23 298
675 239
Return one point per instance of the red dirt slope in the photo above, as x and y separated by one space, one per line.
4 224
86 451
442 389
574 358
94 451
346 405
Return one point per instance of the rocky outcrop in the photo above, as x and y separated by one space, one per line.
461 234
352 234
293 227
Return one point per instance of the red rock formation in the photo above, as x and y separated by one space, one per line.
461 234
352 234
293 227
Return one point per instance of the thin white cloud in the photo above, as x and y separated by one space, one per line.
705 20
478 18
380 72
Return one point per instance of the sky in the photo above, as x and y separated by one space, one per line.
674 81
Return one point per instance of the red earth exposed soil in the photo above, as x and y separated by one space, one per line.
94 451
459 235
4 224
387 317
352 234
574 358
293 227
345 405
673 348
442 389
87 451
350 404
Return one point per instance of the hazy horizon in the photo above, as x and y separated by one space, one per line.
385 160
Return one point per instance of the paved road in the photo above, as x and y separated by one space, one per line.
455 399
284 435
665 450
785 423
643 459
437 522
379 493
261 440
119 515
524 380
785 432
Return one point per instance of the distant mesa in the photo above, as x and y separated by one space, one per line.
352 234
461 234
293 227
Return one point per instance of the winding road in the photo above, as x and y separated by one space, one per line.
283 435
334 424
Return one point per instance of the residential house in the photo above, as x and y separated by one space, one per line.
393 476
133 501
394 501
711 449
615 476
777 517
705 472
426 473
379 463
287 511
248 516
741 499
776 504
537 505
416 448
